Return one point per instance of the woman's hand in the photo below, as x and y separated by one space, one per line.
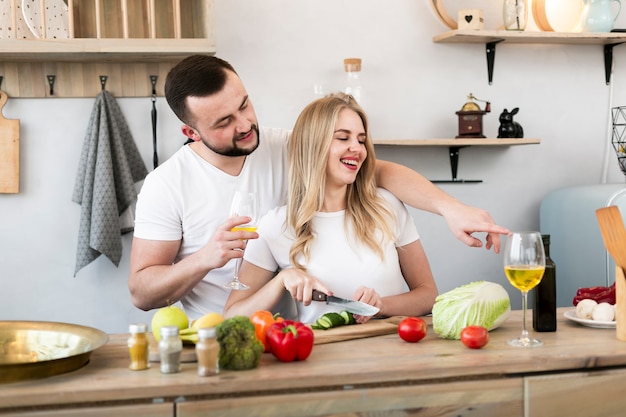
368 296
301 285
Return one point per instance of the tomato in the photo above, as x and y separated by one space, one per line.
474 337
412 329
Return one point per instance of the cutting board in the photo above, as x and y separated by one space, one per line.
9 151
374 327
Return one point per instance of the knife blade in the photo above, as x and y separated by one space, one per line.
352 306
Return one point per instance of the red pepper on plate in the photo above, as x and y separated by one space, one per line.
262 321
290 340
598 293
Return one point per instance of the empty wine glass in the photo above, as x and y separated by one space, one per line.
524 265
243 204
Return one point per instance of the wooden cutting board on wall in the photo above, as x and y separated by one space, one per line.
9 151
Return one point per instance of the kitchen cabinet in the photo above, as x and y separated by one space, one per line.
493 37
454 147
140 410
126 41
577 372
551 395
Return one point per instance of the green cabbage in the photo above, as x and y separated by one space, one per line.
479 303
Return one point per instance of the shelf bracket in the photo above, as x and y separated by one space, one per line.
490 49
454 164
608 61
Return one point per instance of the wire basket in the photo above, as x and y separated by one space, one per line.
619 135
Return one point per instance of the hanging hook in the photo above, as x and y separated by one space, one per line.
153 80
103 81
51 79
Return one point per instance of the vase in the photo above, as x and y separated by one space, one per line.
515 14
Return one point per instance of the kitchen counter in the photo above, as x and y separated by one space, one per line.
579 371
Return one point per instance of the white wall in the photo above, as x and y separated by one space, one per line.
413 86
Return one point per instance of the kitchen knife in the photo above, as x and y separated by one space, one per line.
352 306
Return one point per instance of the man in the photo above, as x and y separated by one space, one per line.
183 245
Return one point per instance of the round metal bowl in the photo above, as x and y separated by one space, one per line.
39 349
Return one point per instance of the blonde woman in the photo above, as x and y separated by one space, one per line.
338 233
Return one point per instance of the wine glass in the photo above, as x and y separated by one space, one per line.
524 264
243 204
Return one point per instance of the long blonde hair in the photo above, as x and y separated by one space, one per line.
309 145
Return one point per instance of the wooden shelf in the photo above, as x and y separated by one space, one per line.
492 37
103 50
454 146
486 36
455 142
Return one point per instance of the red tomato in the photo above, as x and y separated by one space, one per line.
474 337
412 329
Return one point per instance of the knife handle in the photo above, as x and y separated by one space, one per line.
319 296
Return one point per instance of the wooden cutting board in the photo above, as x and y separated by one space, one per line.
9 151
374 327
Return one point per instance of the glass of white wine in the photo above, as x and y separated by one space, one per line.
243 204
524 265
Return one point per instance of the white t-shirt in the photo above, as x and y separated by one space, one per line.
341 263
187 198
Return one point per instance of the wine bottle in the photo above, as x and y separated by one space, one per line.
544 310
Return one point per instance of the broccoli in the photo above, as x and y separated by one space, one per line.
239 347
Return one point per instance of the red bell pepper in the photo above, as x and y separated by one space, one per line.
290 340
599 294
262 320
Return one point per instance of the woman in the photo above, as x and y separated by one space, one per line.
338 233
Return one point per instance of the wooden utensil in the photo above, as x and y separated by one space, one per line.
9 151
614 237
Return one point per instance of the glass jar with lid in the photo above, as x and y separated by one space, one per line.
207 352
138 346
170 350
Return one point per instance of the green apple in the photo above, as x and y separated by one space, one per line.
168 316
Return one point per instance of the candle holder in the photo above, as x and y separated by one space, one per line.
619 135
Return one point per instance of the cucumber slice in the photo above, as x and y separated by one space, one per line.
324 322
348 318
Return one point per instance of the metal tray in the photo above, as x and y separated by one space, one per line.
39 349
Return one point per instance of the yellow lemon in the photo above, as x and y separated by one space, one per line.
208 320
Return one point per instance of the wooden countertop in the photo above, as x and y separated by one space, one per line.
379 361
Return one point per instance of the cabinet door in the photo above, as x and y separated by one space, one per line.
584 394
476 398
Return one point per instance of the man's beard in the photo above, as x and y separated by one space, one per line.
234 150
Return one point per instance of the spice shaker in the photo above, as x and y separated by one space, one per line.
170 350
138 346
207 352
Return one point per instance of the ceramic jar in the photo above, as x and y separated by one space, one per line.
600 15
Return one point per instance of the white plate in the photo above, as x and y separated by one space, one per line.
571 314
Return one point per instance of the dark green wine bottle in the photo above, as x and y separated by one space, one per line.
544 309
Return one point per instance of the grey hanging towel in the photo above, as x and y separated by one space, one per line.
110 165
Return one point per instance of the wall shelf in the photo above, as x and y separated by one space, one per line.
454 146
128 41
492 37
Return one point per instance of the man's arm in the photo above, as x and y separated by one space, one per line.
416 191
156 281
